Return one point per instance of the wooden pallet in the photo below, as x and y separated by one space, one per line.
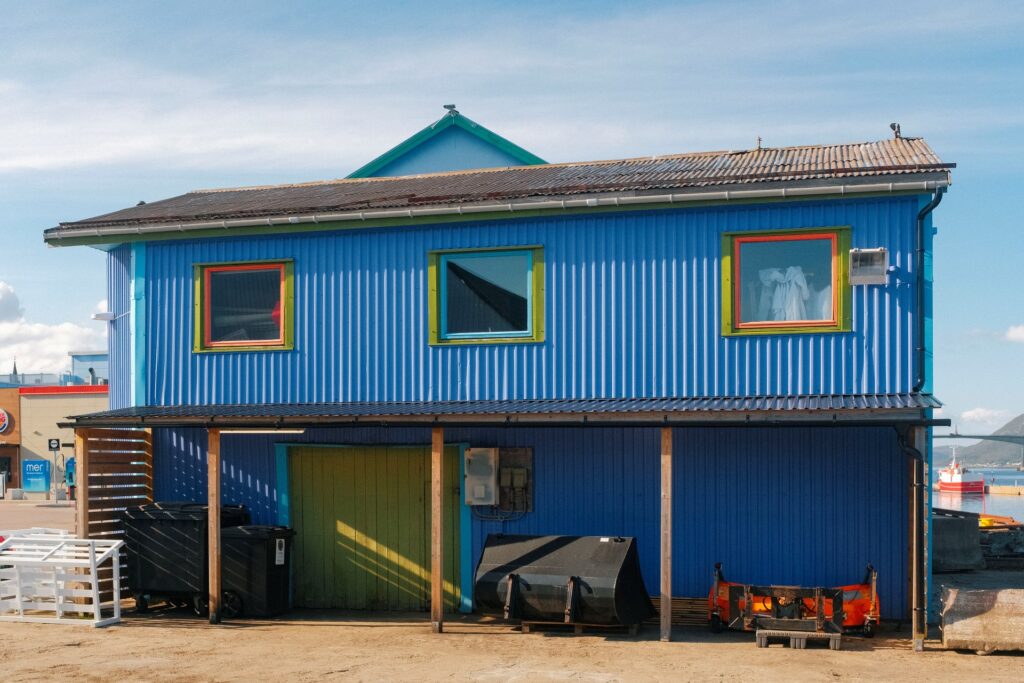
579 629
685 611
797 639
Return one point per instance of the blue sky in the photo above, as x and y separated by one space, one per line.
103 104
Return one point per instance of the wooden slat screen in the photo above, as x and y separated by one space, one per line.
118 473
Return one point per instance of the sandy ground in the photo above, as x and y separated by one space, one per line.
19 514
313 645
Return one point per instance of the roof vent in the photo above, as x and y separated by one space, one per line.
896 131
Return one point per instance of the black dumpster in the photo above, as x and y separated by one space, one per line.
255 570
166 548
568 579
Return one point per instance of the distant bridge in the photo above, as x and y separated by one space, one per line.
1006 438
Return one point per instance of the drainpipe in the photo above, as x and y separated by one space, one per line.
910 444
921 215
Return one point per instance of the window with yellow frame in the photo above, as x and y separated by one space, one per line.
786 281
244 306
486 296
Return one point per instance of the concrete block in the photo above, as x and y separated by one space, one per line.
956 544
984 620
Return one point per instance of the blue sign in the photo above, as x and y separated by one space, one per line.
35 476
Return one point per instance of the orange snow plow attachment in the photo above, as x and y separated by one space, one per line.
816 608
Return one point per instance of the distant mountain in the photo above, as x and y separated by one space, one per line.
996 452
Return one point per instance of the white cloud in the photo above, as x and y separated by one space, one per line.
10 306
582 82
39 347
985 417
1015 334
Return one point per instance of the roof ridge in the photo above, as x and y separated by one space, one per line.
537 167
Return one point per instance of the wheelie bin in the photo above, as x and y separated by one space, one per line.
167 549
256 570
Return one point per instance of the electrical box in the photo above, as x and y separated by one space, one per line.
481 476
869 266
515 480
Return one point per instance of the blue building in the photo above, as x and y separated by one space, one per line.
732 348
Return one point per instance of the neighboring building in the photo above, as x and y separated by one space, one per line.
10 437
89 367
452 143
86 367
29 418
737 344
42 408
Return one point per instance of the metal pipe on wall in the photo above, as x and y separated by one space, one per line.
912 443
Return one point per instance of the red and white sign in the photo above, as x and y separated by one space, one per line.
5 421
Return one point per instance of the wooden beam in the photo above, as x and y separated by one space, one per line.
666 534
81 484
437 529
213 520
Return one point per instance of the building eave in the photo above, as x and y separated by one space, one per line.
577 203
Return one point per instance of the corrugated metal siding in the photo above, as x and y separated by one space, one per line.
774 505
792 507
632 300
119 281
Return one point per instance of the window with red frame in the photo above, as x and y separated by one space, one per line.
243 305
784 280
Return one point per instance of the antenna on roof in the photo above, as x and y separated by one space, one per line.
896 131
452 111
759 142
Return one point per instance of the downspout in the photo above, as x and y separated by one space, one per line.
922 375
918 552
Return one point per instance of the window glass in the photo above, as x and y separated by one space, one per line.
782 279
486 293
245 305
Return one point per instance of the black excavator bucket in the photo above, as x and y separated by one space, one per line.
568 579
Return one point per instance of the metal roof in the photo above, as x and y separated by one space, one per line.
895 157
754 410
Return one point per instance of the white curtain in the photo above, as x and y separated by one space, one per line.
785 295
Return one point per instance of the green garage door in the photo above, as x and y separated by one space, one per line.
362 521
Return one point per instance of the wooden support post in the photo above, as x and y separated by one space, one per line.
81 484
918 568
213 520
665 608
437 529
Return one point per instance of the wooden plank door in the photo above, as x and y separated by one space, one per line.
362 519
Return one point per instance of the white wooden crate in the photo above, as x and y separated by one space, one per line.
55 579
33 531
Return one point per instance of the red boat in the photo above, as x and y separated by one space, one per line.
958 479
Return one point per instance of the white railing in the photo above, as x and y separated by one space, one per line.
46 578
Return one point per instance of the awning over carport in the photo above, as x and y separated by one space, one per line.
848 409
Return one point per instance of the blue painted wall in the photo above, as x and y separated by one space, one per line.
793 506
632 304
453 149
119 283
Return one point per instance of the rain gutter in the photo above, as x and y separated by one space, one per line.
922 370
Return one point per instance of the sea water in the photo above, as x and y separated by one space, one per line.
1012 506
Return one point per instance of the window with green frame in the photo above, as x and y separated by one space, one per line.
486 296
786 281
243 306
